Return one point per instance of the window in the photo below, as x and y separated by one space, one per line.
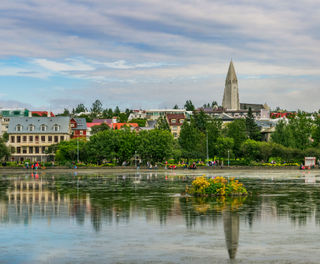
31 127
18 150
18 128
30 138
43 150
18 139
56 127
16 113
173 121
12 139
7 120
43 138
81 132
50 138
24 150
24 138
56 139
30 150
61 138
36 138
43 128
181 120
36 149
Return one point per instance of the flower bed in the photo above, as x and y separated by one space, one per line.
218 186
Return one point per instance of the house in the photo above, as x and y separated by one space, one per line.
7 113
78 127
89 128
137 114
121 125
175 122
30 137
154 114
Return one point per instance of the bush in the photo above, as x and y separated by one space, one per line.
218 186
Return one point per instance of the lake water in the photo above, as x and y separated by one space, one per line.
141 217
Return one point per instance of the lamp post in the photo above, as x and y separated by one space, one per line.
207 148
78 150
228 157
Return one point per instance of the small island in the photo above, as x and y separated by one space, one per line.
218 186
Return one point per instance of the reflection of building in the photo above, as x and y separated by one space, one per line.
30 137
33 198
231 230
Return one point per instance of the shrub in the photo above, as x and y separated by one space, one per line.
218 186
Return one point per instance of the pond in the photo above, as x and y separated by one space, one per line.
141 217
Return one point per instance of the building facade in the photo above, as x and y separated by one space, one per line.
30 137
175 122
78 127
8 113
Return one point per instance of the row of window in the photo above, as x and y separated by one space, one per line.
37 138
29 150
43 127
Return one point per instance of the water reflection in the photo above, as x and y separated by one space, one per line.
154 198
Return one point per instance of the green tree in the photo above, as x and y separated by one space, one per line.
123 118
140 121
117 111
192 141
189 106
155 145
213 129
252 128
96 108
176 106
224 146
237 131
99 128
199 120
4 150
67 150
316 130
162 124
251 149
80 108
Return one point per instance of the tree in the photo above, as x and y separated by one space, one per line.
4 150
192 141
251 149
252 128
123 118
316 130
162 124
237 131
189 106
155 145
176 106
80 109
99 128
224 146
96 108
140 121
117 111
199 120
213 130
67 150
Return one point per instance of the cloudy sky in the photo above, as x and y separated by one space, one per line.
156 53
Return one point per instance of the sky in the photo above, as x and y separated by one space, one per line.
144 54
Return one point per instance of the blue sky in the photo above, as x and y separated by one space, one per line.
152 53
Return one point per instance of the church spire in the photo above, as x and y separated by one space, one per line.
231 76
231 94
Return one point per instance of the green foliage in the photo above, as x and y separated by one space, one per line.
99 128
251 149
141 122
252 128
223 145
4 150
155 145
162 124
192 141
5 137
200 120
237 131
79 109
96 108
176 106
67 150
189 106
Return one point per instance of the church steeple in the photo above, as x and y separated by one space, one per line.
231 92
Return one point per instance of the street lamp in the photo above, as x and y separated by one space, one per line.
207 149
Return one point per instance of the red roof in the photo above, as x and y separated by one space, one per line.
42 113
120 125
178 119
